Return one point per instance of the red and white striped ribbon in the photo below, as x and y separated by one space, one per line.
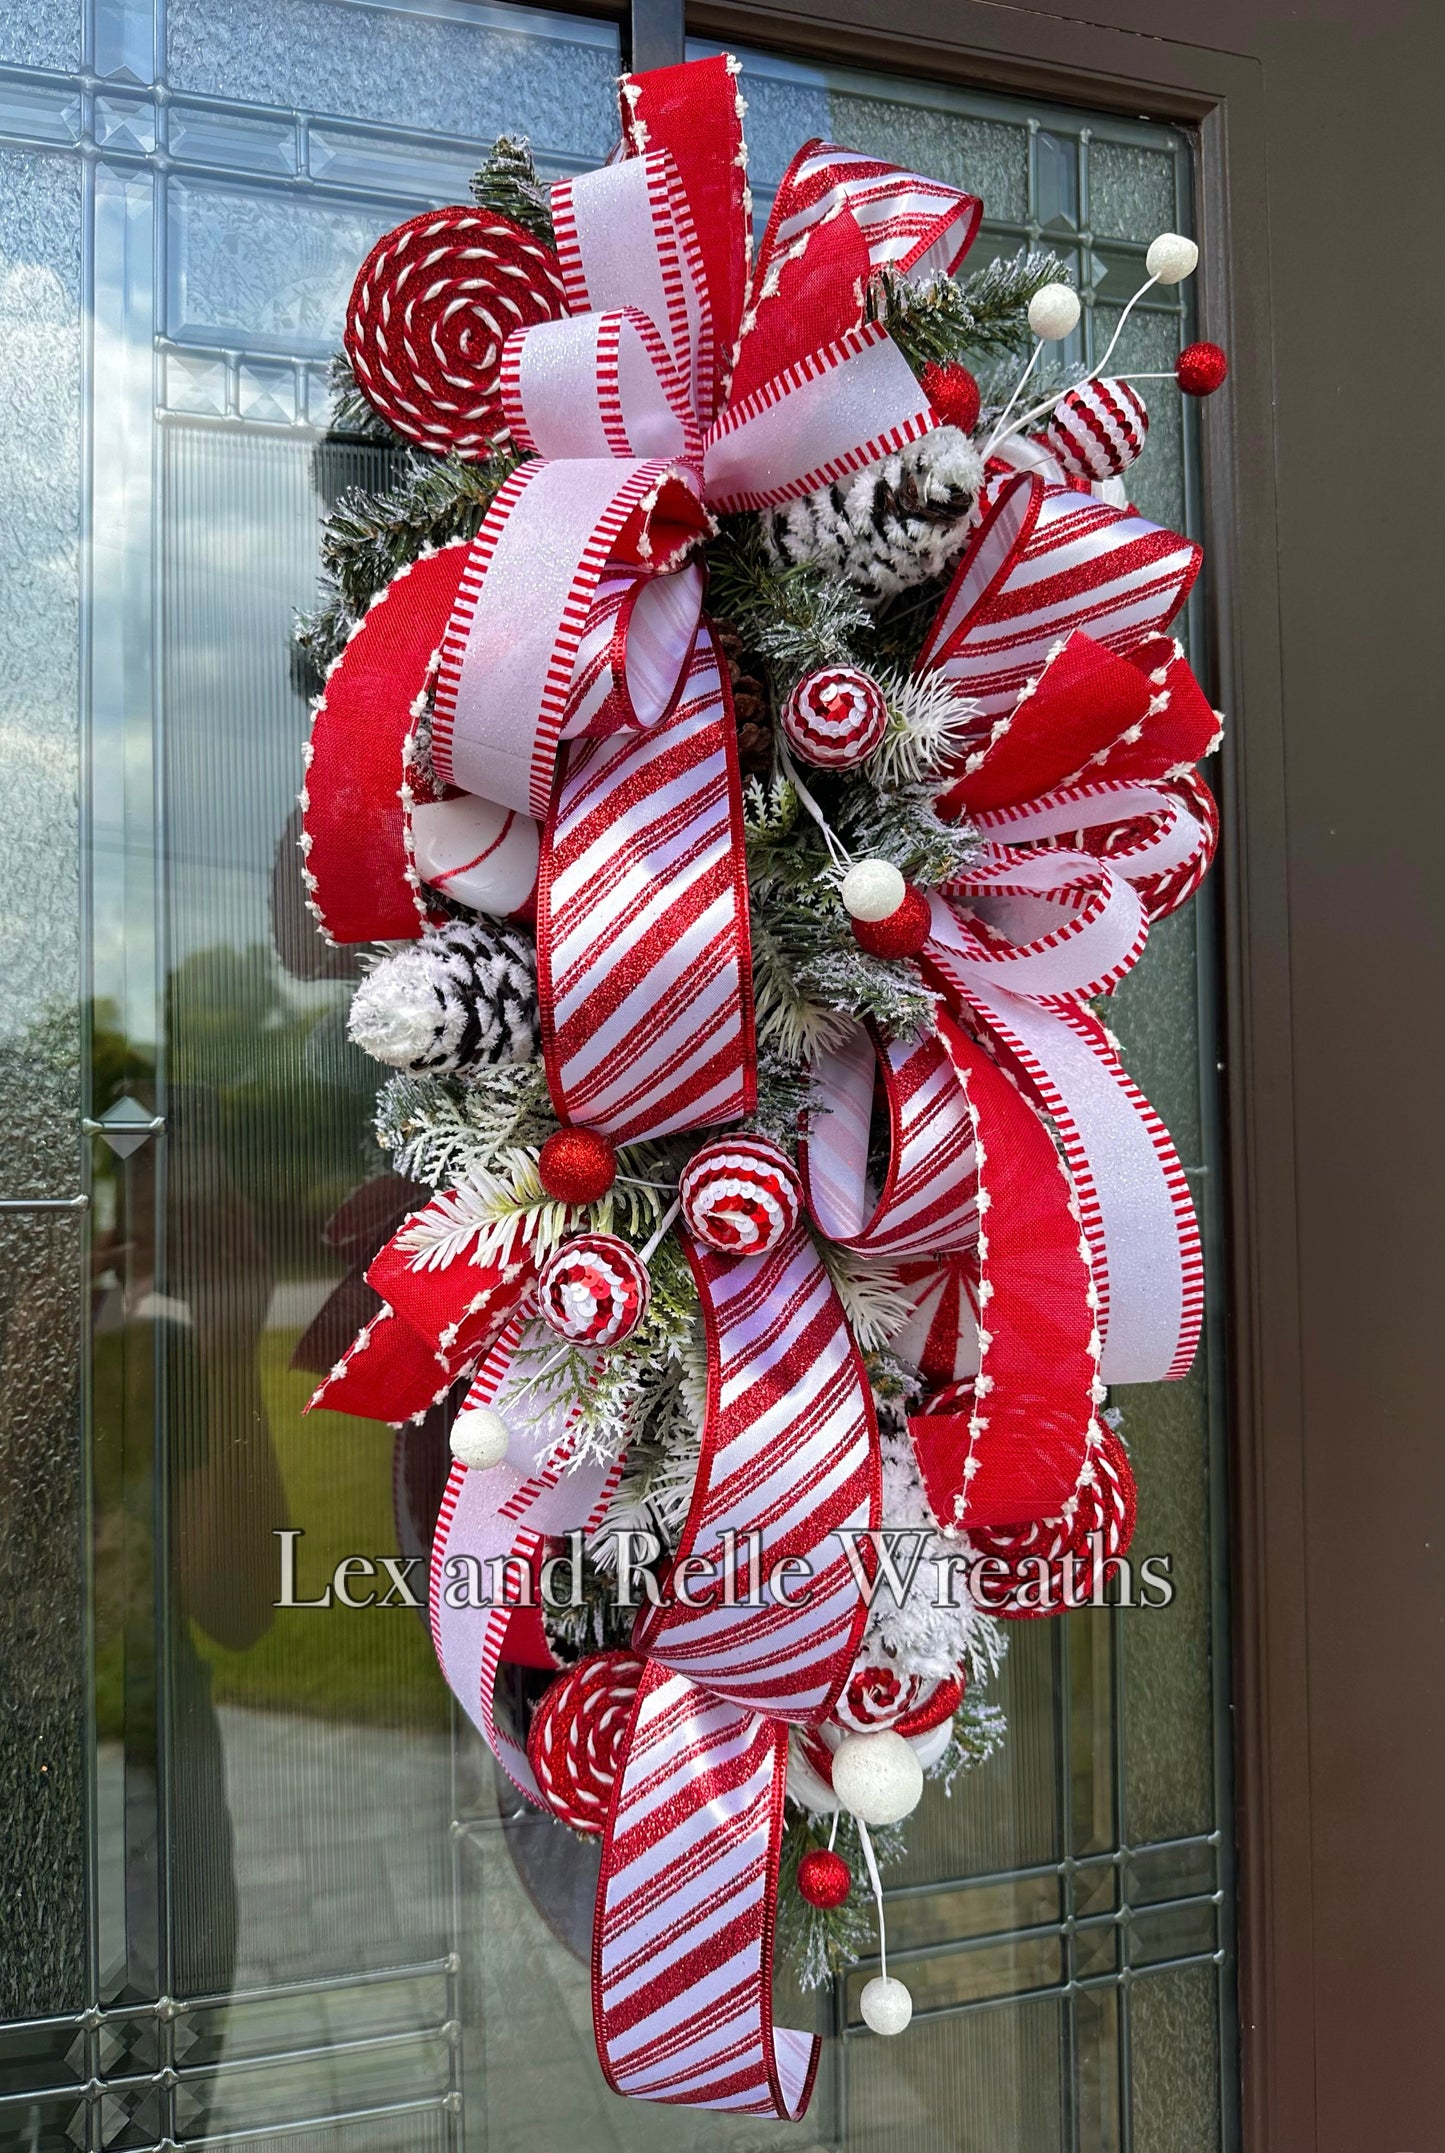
682 1948
928 1203
789 1452
632 657
919 227
1016 1451
1044 562
642 926
1132 1192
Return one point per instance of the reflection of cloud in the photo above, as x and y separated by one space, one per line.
40 212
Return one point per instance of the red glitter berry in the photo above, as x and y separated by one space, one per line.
577 1166
1200 369
953 393
902 934
824 1878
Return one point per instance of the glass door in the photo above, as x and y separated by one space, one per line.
260 1887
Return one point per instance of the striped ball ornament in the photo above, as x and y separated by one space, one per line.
741 1195
594 1290
1098 429
835 718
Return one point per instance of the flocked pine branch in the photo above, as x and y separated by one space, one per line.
508 183
368 537
983 317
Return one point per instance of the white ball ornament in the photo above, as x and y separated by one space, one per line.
479 1437
1054 312
885 2004
1171 258
877 1777
872 890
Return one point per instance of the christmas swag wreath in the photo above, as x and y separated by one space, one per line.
755 760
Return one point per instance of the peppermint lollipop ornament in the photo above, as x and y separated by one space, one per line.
576 1737
741 1195
835 718
594 1291
434 303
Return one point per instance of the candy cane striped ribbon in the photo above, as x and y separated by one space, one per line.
928 1202
642 928
789 1453
1045 561
682 1947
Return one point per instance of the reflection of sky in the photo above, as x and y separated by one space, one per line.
240 558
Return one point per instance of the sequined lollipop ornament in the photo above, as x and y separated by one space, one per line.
741 1196
835 718
594 1290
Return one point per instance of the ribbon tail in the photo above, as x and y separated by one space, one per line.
686 1906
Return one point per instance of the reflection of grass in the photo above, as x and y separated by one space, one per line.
375 1666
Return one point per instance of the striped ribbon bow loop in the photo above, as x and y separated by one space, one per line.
1133 1199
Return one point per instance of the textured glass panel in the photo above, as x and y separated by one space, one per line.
458 70
1174 2044
987 159
988 2082
1004 1815
40 210
41 33
269 269
1131 190
42 1638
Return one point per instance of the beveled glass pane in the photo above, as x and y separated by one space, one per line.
1172 1932
1172 1872
916 1918
971 1976
1096 2047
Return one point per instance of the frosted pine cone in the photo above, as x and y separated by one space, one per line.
896 524
463 996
